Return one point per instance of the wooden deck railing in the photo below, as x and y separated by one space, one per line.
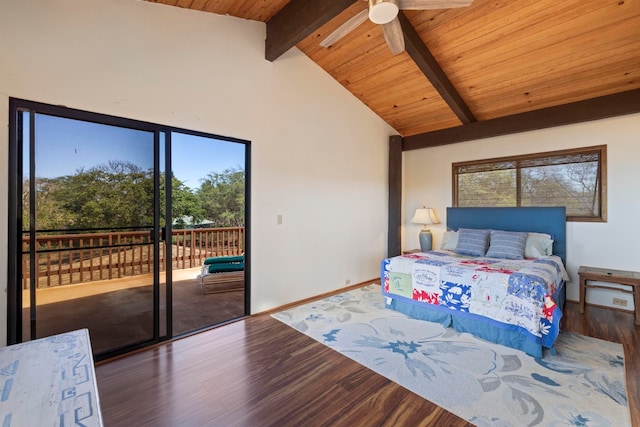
78 258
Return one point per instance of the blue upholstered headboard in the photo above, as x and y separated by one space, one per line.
542 220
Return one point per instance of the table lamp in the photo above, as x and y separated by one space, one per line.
425 216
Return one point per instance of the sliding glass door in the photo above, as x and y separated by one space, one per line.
105 236
208 206
90 220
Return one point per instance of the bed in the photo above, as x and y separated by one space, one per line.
497 297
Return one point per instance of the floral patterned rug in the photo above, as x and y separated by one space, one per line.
484 383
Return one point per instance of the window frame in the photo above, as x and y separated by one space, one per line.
18 107
601 176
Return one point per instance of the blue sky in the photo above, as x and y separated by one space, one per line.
194 157
63 146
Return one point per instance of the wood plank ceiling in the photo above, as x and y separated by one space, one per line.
501 57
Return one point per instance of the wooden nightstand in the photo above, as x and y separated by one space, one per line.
629 278
411 251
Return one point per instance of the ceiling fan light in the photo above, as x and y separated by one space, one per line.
383 12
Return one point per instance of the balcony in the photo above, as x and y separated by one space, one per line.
103 281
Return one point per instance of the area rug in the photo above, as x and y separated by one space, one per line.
487 384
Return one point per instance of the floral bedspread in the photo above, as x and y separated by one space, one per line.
514 292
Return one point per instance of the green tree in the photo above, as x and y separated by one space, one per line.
120 194
115 194
50 214
222 197
488 188
184 204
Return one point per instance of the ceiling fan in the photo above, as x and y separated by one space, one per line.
385 13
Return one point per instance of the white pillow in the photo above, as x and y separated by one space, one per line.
538 245
449 240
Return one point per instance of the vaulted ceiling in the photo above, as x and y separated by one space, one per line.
490 60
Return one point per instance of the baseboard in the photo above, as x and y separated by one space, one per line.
610 308
317 297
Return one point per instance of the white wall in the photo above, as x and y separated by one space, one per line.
609 245
319 155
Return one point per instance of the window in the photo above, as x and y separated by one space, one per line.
573 178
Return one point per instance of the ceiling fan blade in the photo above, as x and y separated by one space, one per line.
394 36
345 28
432 4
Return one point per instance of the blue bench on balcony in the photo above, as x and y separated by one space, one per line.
222 274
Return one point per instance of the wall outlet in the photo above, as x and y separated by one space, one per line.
620 301
347 281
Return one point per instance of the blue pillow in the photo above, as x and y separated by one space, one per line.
472 242
507 244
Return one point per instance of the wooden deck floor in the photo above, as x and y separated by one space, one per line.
119 312
80 290
260 372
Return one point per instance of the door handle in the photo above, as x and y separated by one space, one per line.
163 234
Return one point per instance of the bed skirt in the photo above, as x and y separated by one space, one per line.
479 326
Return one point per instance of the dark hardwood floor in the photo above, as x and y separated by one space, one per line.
259 372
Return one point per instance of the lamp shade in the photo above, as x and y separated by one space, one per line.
425 216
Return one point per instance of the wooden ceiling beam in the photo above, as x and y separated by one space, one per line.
423 58
296 21
602 107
